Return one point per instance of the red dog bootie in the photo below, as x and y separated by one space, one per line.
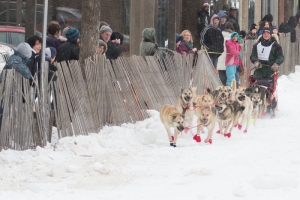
208 141
218 131
197 138
240 126
245 131
227 135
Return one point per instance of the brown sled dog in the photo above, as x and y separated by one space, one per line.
171 117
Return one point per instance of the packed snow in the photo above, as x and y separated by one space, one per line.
135 161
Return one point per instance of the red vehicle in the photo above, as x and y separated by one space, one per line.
12 34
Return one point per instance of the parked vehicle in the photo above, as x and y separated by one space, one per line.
12 34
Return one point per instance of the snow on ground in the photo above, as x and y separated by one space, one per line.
135 161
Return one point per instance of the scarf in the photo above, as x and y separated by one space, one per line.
190 45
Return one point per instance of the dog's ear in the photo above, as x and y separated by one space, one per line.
208 90
183 116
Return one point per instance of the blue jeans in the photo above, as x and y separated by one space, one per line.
230 73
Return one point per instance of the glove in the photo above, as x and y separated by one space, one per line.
52 67
257 64
275 67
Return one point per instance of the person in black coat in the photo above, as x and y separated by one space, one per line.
203 17
232 18
70 49
289 27
114 48
34 62
213 41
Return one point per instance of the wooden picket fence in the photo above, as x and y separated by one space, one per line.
114 92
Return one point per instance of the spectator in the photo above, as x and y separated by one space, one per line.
252 32
289 27
34 63
212 40
298 25
221 62
232 57
268 18
70 49
102 47
53 38
232 18
203 18
114 48
186 46
50 54
179 39
19 60
275 31
264 24
223 17
225 8
63 34
149 47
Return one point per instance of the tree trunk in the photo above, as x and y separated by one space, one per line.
89 30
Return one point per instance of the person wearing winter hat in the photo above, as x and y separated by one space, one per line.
102 47
18 61
252 32
298 25
289 27
105 33
70 49
266 56
203 18
223 17
114 48
73 35
212 40
232 18
232 57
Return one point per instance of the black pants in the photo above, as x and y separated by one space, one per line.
222 76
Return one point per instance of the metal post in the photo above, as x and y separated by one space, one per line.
44 67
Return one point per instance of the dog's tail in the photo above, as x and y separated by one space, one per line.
233 84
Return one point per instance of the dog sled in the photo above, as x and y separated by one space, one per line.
269 85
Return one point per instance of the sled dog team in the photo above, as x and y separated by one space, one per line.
227 105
